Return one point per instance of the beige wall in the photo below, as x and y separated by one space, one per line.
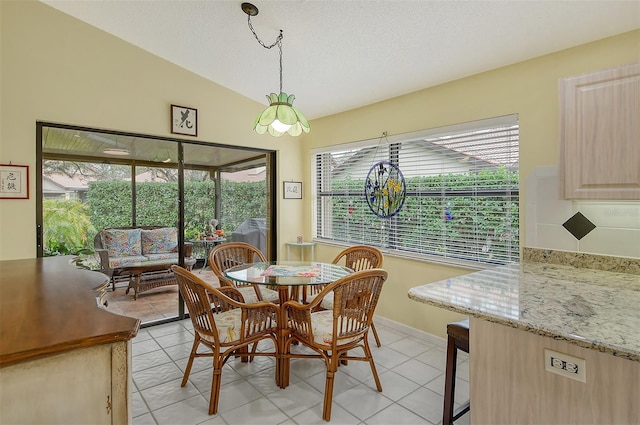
55 68
527 88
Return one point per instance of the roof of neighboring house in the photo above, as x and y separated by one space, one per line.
76 183
251 175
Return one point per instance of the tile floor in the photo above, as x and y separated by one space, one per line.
410 364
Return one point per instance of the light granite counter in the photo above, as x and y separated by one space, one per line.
591 308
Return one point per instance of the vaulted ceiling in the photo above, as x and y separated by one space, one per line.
339 55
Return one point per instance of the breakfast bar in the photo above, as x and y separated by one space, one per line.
583 310
64 358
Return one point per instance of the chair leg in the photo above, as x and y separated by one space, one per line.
328 387
375 334
216 381
187 370
449 381
374 371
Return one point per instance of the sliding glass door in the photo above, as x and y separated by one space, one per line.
92 180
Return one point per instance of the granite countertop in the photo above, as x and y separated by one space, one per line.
591 308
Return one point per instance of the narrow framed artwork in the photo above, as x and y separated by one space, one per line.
184 120
14 181
292 190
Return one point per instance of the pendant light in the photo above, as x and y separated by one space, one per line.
280 116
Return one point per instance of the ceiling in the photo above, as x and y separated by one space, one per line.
76 143
339 55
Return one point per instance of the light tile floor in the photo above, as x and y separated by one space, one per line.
410 365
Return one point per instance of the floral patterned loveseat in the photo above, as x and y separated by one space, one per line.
123 249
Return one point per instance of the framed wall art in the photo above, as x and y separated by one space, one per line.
184 120
14 181
292 190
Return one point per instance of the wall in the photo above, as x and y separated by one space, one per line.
56 68
529 89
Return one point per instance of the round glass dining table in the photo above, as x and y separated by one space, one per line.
286 275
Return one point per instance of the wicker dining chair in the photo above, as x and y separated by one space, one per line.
357 258
224 324
332 334
229 254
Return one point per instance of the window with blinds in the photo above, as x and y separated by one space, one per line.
461 199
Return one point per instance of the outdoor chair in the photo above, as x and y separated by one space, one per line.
357 258
230 254
224 324
333 333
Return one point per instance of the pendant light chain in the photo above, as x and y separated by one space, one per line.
280 116
278 43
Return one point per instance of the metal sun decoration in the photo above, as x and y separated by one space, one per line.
385 189
280 117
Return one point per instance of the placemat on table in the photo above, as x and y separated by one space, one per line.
291 270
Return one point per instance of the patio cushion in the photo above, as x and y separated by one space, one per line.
122 242
229 324
170 256
128 260
156 241
325 304
250 297
322 325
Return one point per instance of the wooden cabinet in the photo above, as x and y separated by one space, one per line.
63 359
510 385
86 386
600 134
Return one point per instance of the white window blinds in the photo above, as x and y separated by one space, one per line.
461 193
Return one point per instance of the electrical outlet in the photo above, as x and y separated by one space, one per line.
565 365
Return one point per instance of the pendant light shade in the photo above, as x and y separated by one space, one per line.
281 117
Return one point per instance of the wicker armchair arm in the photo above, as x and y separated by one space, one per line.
297 317
104 261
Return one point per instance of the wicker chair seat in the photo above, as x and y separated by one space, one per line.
250 296
322 329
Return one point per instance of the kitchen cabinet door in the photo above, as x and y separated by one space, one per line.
600 134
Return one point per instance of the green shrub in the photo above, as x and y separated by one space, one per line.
67 227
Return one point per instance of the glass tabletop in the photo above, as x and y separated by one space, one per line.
288 273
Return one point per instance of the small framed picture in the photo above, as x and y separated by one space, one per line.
14 181
292 190
184 120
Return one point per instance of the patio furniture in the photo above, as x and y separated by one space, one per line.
208 245
231 254
145 254
333 333
225 324
357 258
